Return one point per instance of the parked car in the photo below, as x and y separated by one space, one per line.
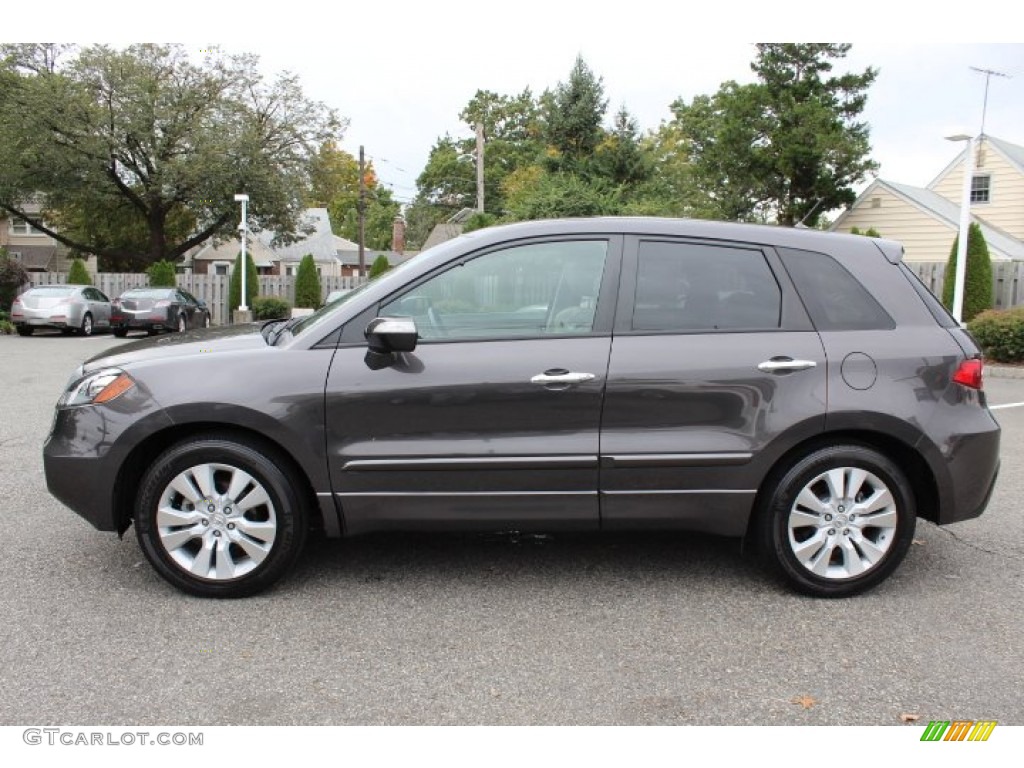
797 389
69 308
158 309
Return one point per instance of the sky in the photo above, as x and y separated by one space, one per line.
401 71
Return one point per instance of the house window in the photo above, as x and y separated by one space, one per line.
876 202
220 269
22 227
981 187
289 270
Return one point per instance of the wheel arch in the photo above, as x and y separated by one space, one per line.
142 456
918 472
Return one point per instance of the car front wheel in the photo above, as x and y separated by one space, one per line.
86 327
220 517
838 521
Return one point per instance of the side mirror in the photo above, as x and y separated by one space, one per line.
392 334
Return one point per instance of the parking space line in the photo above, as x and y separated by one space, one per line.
1005 405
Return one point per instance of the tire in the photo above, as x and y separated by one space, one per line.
182 324
206 321
822 542
120 332
86 328
228 550
25 330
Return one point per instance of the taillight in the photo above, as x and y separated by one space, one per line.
969 373
17 301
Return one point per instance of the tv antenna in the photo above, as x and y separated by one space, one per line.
988 76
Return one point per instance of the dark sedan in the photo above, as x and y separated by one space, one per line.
158 309
798 389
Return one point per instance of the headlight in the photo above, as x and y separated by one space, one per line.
100 387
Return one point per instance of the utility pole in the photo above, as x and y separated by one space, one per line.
480 167
362 213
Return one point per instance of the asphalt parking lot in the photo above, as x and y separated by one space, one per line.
635 630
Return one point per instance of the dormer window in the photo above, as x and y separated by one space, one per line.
981 187
22 227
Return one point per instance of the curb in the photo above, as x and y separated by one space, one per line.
1003 372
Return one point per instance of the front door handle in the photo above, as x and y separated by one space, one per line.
785 365
560 376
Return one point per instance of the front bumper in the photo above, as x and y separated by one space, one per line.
86 451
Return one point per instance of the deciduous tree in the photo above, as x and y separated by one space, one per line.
136 153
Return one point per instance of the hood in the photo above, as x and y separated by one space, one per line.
207 340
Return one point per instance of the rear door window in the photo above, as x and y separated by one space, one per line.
699 288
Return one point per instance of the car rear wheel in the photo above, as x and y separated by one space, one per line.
86 328
120 332
838 521
219 517
25 330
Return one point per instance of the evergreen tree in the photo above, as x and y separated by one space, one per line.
789 146
252 282
977 281
78 275
572 119
380 266
162 274
307 284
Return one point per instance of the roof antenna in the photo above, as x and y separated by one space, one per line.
988 76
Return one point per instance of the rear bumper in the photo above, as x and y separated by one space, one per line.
973 466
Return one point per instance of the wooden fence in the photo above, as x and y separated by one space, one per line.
213 289
1007 280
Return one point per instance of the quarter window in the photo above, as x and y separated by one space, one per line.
530 290
834 298
695 287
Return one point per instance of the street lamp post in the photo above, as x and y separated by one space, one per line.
965 223
243 229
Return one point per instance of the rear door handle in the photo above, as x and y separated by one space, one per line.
560 376
785 365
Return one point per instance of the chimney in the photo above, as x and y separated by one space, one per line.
398 235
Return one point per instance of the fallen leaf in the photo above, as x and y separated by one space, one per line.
908 718
919 542
804 701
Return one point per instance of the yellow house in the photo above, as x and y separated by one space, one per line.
926 220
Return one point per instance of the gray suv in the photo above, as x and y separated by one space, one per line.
799 389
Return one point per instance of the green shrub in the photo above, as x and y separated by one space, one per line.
252 283
162 274
270 308
307 284
78 274
6 327
978 281
12 277
1000 334
379 267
